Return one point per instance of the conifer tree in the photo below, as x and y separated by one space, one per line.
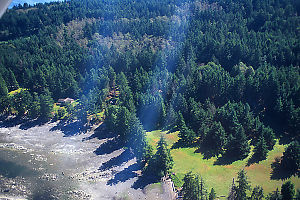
136 138
212 194
257 193
291 157
189 186
4 100
12 81
21 102
46 104
111 117
186 135
243 185
233 191
268 135
34 108
215 139
275 195
3 88
193 187
238 145
260 150
287 190
202 190
171 117
163 159
122 123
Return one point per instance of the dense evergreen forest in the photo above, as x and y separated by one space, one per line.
225 73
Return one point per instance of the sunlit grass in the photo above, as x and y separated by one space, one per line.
220 176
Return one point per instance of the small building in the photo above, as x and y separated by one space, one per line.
65 101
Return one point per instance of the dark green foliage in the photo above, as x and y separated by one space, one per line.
5 105
268 136
137 139
291 157
200 116
3 88
233 191
193 187
227 116
130 130
243 185
171 117
122 123
212 194
257 193
46 105
152 110
260 150
186 134
287 190
215 139
163 160
189 187
35 107
275 195
157 56
12 82
4 101
21 102
201 188
213 83
111 117
237 145
298 194
126 96
148 154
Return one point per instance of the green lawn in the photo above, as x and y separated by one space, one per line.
220 176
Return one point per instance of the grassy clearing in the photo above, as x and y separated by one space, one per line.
220 176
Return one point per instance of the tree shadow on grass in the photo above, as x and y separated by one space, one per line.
125 174
182 144
254 159
117 161
226 159
207 154
71 128
281 173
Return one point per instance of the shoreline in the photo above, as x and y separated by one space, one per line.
91 164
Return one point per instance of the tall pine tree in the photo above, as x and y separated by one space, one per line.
243 185
163 159
261 149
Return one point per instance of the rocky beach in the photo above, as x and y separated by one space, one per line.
57 160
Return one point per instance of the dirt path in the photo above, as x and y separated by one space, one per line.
79 166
